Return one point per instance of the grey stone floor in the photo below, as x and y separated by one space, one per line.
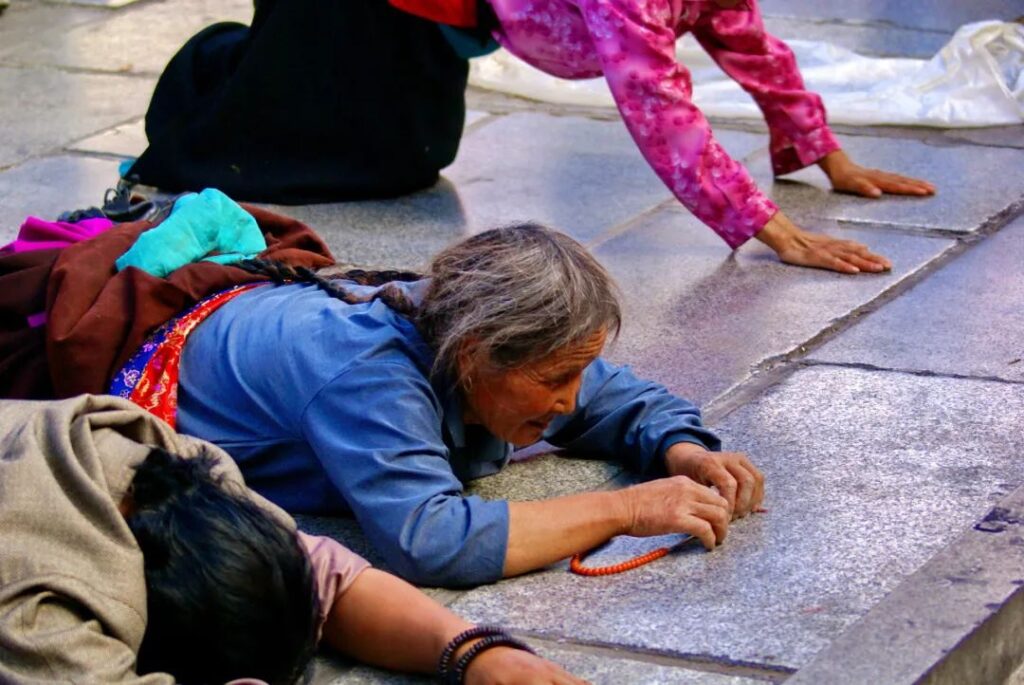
884 409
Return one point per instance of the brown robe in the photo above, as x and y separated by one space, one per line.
97 317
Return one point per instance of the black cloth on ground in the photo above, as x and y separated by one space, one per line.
318 101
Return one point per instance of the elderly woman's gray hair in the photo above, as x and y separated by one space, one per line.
518 293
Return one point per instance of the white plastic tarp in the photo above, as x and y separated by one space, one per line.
977 79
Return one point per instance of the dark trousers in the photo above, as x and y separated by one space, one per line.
319 100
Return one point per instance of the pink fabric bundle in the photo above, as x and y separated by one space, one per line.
36 234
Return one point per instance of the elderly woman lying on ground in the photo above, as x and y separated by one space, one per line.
382 401
132 554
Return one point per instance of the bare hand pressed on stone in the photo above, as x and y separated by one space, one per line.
816 250
848 177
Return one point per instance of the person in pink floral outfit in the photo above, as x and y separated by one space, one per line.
632 43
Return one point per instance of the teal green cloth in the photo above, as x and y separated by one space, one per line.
469 43
199 225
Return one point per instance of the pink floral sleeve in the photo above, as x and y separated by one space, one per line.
635 42
765 67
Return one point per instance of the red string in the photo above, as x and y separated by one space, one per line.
577 567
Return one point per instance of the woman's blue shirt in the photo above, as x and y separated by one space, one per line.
330 408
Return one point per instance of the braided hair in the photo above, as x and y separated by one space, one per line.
519 292
384 280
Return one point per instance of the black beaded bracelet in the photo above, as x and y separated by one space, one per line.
444 663
458 675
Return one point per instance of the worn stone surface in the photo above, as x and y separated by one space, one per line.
108 4
853 507
139 39
965 319
882 41
544 476
128 140
598 669
53 107
975 184
932 16
698 319
583 177
401 233
959 618
579 175
47 187
474 116
34 23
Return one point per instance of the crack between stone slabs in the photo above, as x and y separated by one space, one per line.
490 118
774 369
691 662
105 8
922 373
624 227
133 119
65 69
985 228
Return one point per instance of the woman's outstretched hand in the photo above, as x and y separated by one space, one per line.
800 248
677 504
849 177
505 666
735 477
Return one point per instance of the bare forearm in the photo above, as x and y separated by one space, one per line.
384 621
543 532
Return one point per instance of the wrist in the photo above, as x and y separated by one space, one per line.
834 163
679 458
778 232
621 507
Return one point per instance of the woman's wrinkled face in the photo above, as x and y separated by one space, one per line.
517 405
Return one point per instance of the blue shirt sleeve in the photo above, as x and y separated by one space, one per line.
620 417
376 428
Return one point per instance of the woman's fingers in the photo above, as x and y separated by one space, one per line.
717 517
720 477
700 529
903 185
874 182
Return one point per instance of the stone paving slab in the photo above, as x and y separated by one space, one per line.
596 669
853 507
965 319
108 4
543 476
959 620
882 41
975 184
932 16
137 40
698 319
580 176
34 23
47 187
128 140
52 108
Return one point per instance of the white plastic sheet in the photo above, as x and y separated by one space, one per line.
977 79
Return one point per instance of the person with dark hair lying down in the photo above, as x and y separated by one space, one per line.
132 554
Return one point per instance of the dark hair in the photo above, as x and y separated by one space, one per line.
230 590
